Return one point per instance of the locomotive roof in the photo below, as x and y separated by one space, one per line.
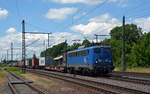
91 47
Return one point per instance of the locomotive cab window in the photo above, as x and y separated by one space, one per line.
97 50
107 50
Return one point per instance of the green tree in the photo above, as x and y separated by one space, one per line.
75 46
34 56
55 51
132 34
140 54
86 42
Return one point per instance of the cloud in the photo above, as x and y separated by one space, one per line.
34 42
98 25
144 23
11 30
89 2
60 14
80 15
3 13
59 37
123 3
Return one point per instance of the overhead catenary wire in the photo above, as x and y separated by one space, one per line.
17 9
90 11
33 42
35 26
137 14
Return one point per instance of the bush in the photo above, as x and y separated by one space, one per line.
12 68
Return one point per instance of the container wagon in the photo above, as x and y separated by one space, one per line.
20 64
35 63
28 63
45 61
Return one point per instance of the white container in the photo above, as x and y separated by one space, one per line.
45 61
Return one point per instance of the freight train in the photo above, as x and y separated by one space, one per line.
92 59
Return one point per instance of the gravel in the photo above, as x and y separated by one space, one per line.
144 76
4 88
144 88
21 88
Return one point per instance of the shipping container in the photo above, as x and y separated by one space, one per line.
35 63
14 64
28 63
20 64
45 61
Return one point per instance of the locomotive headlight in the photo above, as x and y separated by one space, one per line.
96 61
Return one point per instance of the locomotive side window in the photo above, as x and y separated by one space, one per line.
107 50
72 54
97 50
84 53
79 53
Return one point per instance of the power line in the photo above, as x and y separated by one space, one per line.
137 13
35 26
32 42
17 8
137 7
90 11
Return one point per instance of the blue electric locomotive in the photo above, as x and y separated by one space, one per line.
94 59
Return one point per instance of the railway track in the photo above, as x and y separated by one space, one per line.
93 85
129 79
21 86
132 74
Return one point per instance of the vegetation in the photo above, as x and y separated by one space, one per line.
135 69
14 70
55 51
137 46
2 75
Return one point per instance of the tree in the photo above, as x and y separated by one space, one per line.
56 50
133 35
34 56
75 46
140 54
86 42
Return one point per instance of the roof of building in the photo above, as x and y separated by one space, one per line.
57 58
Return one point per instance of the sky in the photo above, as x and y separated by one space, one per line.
66 20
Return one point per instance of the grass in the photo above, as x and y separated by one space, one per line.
2 75
137 69
14 70
2 78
